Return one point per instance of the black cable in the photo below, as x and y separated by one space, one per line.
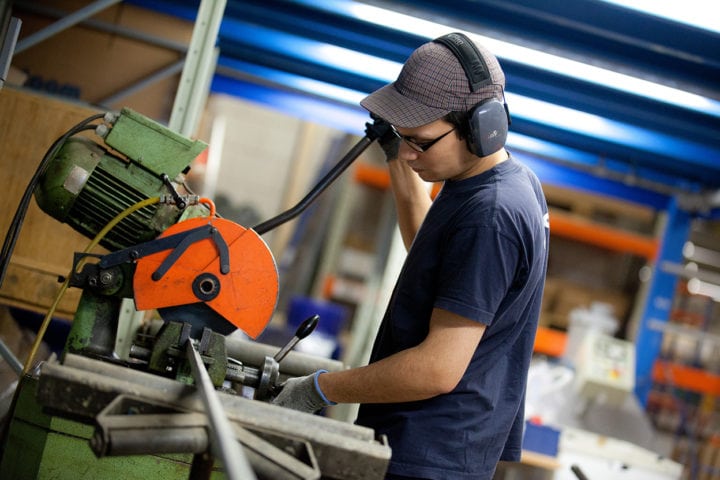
17 221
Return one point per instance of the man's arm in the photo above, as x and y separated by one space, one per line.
412 199
432 368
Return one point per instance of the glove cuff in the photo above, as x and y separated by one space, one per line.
319 391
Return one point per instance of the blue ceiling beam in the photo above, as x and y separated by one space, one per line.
352 63
562 176
635 41
353 119
318 48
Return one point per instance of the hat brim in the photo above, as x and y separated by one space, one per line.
398 110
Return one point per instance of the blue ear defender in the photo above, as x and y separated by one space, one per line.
489 119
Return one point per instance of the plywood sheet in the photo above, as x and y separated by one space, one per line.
29 124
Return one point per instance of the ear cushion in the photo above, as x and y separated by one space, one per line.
488 127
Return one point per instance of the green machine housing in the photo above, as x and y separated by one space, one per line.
87 185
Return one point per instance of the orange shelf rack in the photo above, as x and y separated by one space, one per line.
570 226
685 377
550 342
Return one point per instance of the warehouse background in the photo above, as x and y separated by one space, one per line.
631 173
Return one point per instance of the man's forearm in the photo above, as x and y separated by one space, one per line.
412 199
394 379
431 368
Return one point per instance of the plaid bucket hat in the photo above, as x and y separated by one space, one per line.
433 83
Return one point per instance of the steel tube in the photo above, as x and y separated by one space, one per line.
145 441
10 358
223 442
295 364
157 76
62 24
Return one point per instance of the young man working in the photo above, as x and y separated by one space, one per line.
446 379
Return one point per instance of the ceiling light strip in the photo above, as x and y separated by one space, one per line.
524 55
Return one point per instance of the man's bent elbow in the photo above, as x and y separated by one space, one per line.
443 381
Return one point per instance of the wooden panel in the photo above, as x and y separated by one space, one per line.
92 65
29 124
615 212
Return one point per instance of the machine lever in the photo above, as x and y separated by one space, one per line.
305 329
372 132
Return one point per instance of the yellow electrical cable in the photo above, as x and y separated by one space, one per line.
63 288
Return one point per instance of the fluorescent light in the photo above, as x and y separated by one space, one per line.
356 62
521 106
696 13
516 53
313 51
600 127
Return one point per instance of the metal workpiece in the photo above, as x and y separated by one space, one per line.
294 364
170 358
84 387
223 443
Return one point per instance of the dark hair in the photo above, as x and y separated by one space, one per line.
461 122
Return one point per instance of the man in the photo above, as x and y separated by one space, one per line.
446 379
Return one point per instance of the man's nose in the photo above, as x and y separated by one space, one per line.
406 152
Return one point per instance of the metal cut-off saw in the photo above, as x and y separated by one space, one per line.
186 400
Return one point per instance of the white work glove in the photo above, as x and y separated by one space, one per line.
303 394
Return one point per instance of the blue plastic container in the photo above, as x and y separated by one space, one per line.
332 315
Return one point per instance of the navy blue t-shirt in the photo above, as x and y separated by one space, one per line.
481 253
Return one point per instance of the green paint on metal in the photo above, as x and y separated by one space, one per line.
156 147
66 176
216 359
86 185
94 326
25 434
39 446
168 357
82 325
165 353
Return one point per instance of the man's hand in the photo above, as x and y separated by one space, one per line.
390 144
302 394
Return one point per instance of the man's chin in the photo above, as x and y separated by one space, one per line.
427 176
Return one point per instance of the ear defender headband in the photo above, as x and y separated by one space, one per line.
489 119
